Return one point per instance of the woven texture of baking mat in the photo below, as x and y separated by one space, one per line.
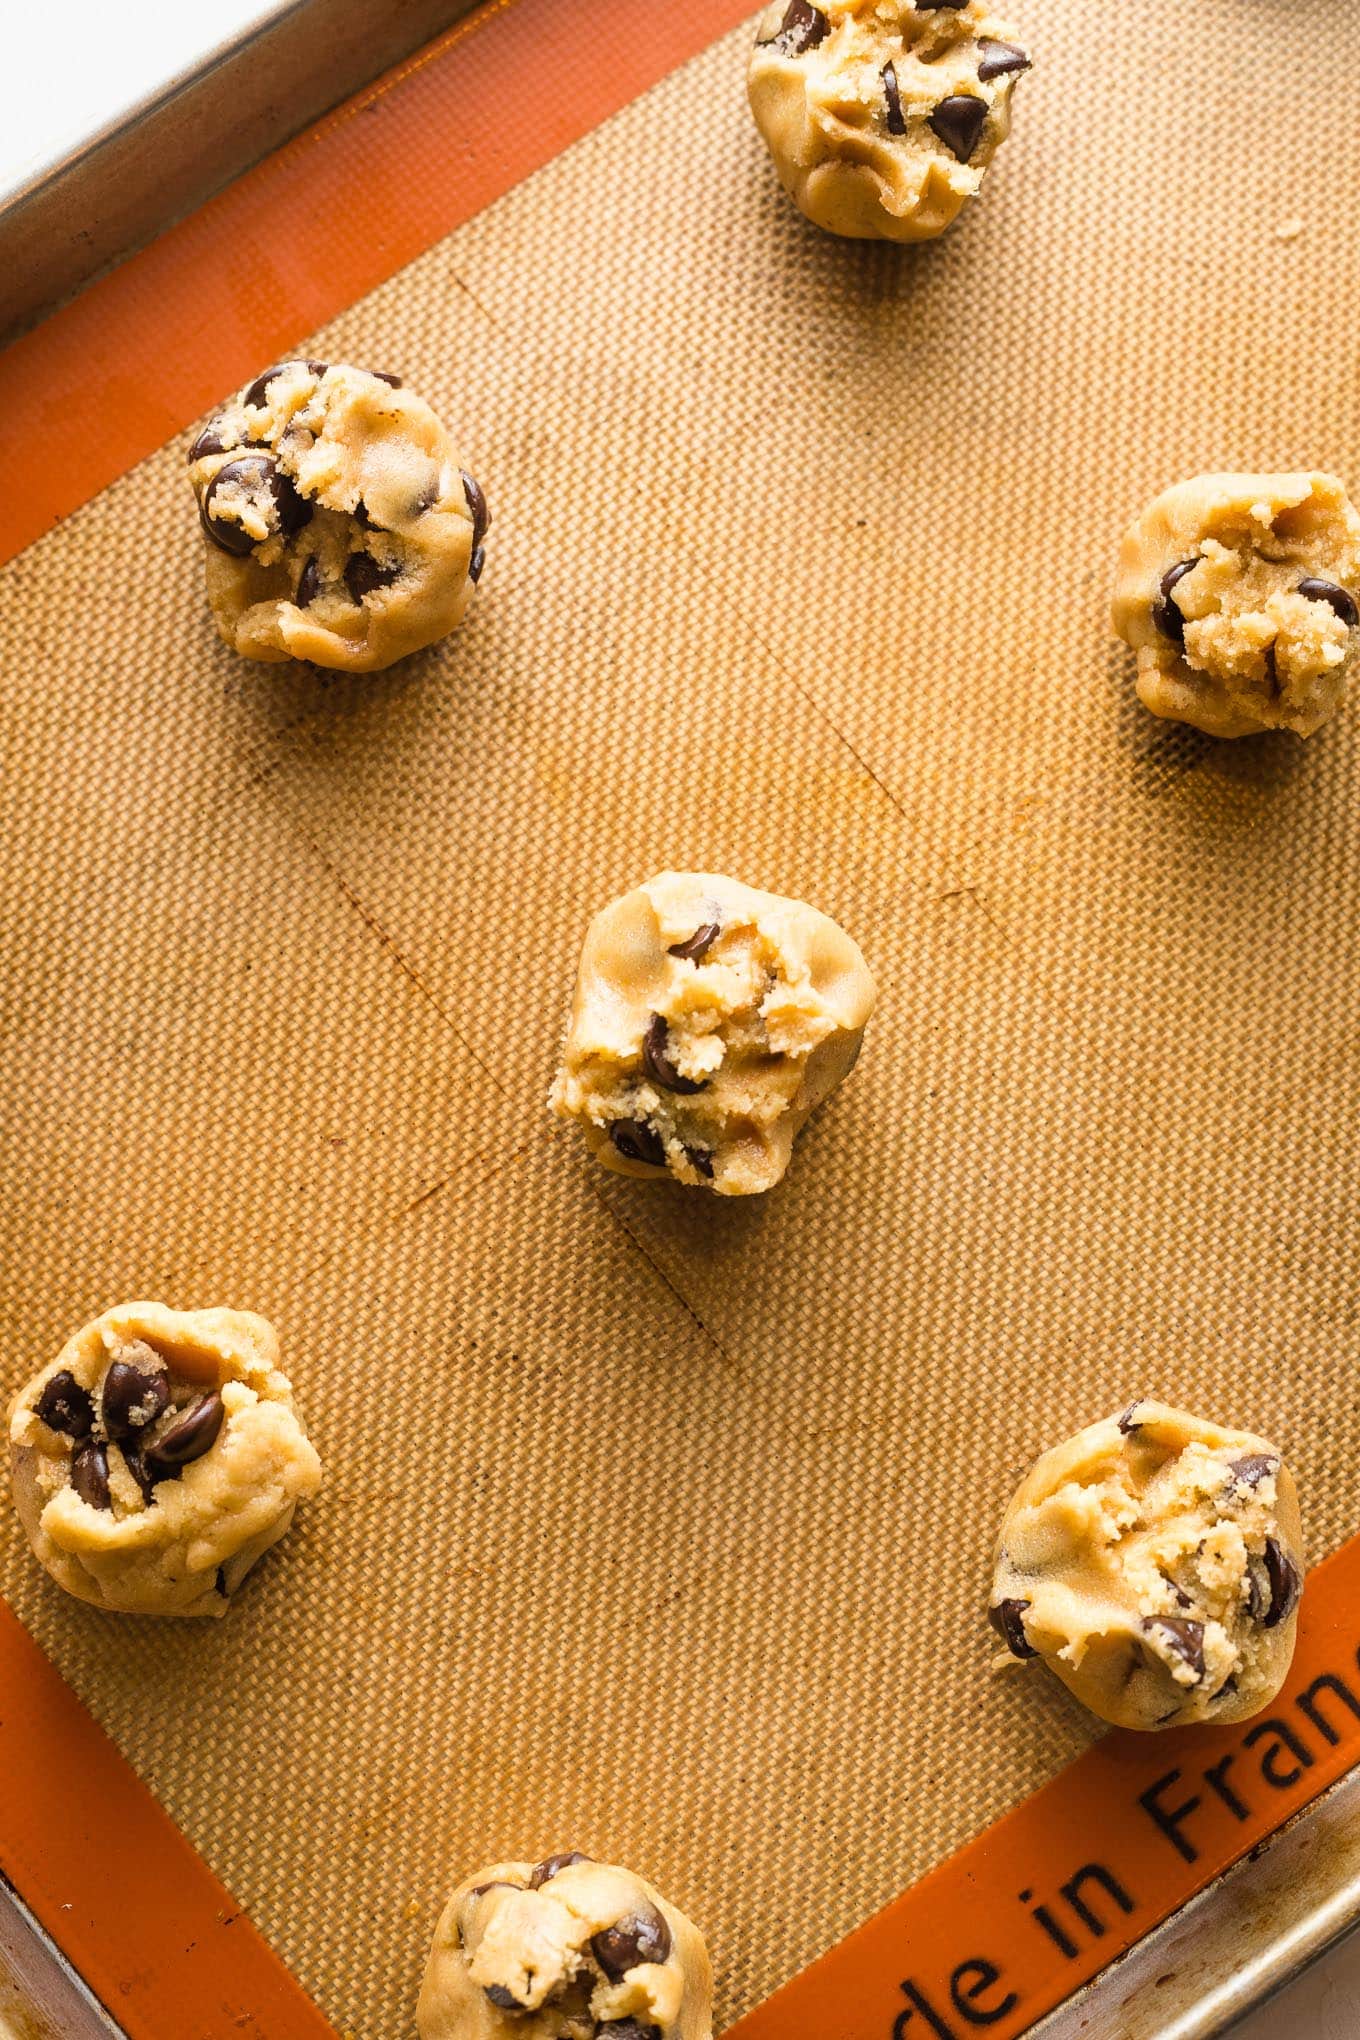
658 1525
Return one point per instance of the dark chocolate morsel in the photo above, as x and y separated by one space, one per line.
363 516
476 563
1228 1688
496 1884
1007 1619
1166 613
207 442
221 1582
132 1398
1184 1638
1129 1422
65 1406
259 389
698 944
1272 670
803 27
1337 598
940 6
998 58
638 1142
626 2029
141 1473
90 1475
959 121
702 1160
550 1866
504 2000
1284 1580
254 472
384 375
896 120
363 574
309 582
1253 1468
658 1064
476 502
188 1438
638 1937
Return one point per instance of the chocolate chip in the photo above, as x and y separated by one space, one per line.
803 27
658 1064
504 2000
638 1142
959 121
188 1438
1166 613
66 1406
1253 1468
638 1937
1272 670
255 473
364 574
221 1583
1129 1422
132 1398
1006 1618
208 441
940 6
1228 1688
550 1866
699 943
476 502
141 1473
259 389
309 582
363 516
1337 598
476 563
1184 1638
702 1160
627 2029
498 1884
384 375
998 58
896 120
1284 1581
90 1475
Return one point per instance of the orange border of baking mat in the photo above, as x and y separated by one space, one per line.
138 354
1009 1927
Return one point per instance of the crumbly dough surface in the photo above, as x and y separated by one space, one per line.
709 1021
158 1456
337 523
566 1949
1239 595
882 115
1155 1563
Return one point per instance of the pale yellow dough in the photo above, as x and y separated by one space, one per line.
882 115
555 1962
338 525
706 1066
1232 645
186 1548
1155 1563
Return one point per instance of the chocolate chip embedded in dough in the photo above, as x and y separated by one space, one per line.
255 473
90 1475
384 375
504 2000
627 2029
188 1438
897 124
496 1884
65 1406
545 1871
1284 1581
638 1142
136 1465
1007 1619
1253 1468
476 502
1129 1423
958 121
1166 614
999 58
1315 590
803 28
475 565
641 1936
208 441
702 1160
657 1062
1184 1638
364 575
940 6
698 944
309 582
131 1398
221 1583
259 389
363 516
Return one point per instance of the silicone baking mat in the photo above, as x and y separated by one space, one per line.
656 1525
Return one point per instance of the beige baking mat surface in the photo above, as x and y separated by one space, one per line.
656 1525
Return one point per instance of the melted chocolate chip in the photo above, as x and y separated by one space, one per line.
702 1160
638 1937
1129 1423
658 1064
1253 1468
384 375
1184 1638
1284 1581
476 502
1007 1620
958 121
476 563
255 473
803 27
638 1142
309 582
897 124
550 1866
1336 598
1166 614
364 574
699 943
141 1473
65 1406
208 441
90 1475
188 1438
131 1398
999 58
504 2000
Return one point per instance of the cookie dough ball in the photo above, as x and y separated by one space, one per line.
564 1950
710 1020
337 523
1155 1563
1238 593
882 115
158 1457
